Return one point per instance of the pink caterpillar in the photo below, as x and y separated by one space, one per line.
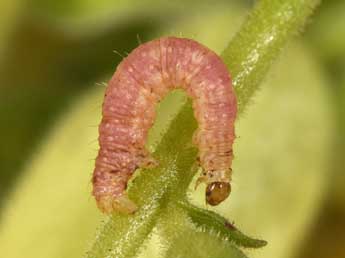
141 80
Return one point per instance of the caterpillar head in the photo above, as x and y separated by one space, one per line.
218 185
216 192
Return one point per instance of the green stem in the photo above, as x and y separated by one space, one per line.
260 40
248 57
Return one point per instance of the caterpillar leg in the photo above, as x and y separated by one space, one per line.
146 160
122 203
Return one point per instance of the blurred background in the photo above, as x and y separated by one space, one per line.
54 58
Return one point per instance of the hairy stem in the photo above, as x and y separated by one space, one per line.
260 40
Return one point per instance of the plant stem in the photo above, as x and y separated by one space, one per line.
260 40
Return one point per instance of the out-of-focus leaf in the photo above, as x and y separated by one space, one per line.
51 213
9 13
338 182
85 15
326 239
327 32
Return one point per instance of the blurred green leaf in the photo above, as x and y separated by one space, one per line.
9 13
51 213
85 15
327 32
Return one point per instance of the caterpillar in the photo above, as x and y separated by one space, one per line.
140 81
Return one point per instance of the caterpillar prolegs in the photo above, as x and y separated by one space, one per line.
140 81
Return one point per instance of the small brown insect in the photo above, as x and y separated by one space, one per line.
230 226
141 80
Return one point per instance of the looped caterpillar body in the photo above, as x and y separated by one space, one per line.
141 80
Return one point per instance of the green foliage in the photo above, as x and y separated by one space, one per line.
81 15
327 34
9 12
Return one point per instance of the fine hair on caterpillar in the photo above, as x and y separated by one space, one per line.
141 80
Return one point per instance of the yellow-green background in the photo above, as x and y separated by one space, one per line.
289 178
